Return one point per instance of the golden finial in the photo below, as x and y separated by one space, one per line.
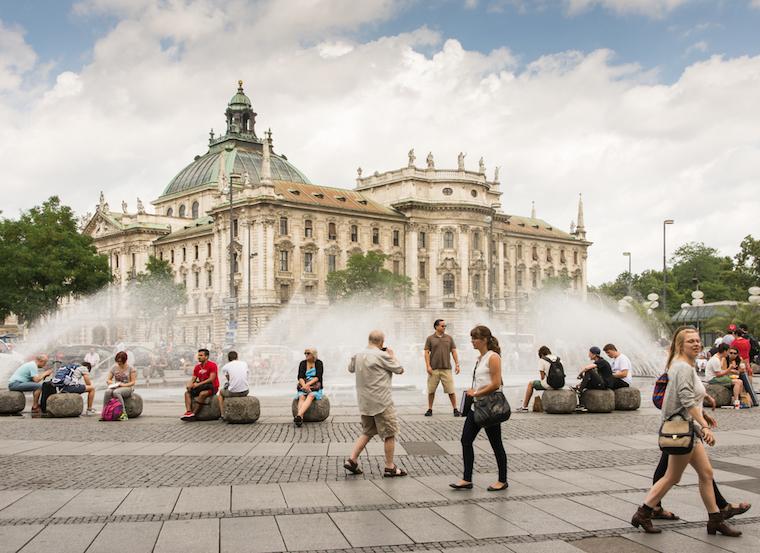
240 84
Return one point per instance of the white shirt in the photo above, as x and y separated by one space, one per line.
482 371
622 363
713 366
92 358
237 371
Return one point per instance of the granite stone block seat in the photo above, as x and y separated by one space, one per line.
11 403
64 405
627 399
208 412
559 401
720 393
241 410
133 405
318 411
598 401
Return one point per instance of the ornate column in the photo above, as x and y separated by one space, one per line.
259 242
268 254
463 286
412 264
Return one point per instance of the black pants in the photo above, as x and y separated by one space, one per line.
47 390
662 467
617 383
592 381
469 433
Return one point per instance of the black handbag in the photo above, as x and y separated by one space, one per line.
492 409
676 437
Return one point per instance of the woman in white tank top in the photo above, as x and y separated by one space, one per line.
486 380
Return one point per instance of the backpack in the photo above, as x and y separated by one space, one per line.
754 347
112 410
555 376
658 394
64 376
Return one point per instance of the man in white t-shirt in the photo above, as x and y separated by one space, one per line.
714 368
236 374
92 357
622 369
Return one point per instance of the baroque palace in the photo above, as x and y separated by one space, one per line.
246 232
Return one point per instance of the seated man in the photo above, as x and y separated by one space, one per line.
596 374
622 369
203 385
545 358
236 373
27 378
70 379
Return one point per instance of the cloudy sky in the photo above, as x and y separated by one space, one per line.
650 108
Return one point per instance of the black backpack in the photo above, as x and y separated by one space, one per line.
555 376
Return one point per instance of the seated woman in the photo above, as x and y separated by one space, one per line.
121 380
544 353
723 368
309 383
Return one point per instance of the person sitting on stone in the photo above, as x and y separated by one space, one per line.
310 385
70 379
545 357
622 368
235 372
595 375
28 378
718 371
156 368
203 385
121 380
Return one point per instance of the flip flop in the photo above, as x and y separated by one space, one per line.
352 467
394 472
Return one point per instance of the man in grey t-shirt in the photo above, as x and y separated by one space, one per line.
439 348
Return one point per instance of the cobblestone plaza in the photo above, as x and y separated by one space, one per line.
158 484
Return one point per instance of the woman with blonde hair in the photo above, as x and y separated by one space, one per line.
486 380
310 372
683 397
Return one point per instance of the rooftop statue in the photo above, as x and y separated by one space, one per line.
124 207
246 179
430 161
482 166
460 161
412 157
496 174
359 172
140 207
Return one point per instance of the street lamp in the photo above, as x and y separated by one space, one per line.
630 276
665 224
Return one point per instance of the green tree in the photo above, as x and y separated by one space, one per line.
45 259
743 313
156 295
748 261
364 277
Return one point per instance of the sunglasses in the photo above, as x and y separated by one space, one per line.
307 353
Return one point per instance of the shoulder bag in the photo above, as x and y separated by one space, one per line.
676 437
492 409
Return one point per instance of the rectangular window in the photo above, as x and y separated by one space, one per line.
354 233
134 260
504 249
308 265
116 258
197 254
449 305
562 256
171 253
476 241
283 226
332 233
534 279
548 255
396 267
208 249
332 262
423 298
396 237
421 240
423 269
197 279
308 230
575 257
209 306
534 253
161 255
284 261
235 228
209 278
519 276
284 293
184 254
375 235
308 292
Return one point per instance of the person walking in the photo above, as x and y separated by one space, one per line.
374 368
439 348
121 380
683 398
486 380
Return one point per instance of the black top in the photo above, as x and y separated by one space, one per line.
605 371
317 365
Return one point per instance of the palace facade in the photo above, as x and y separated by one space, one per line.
247 233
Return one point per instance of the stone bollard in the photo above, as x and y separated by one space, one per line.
561 401
598 401
318 411
64 405
627 399
133 405
720 393
11 403
208 412
241 410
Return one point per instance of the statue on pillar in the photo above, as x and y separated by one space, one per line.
412 157
460 161
102 205
140 207
482 166
124 207
430 161
246 179
496 174
358 172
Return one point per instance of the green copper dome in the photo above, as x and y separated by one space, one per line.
204 171
240 99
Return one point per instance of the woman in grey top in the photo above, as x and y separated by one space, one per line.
683 397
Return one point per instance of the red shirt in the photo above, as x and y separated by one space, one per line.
743 346
203 372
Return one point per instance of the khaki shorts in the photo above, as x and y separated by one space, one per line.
443 376
383 424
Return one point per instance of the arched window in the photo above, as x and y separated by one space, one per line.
308 230
448 240
354 233
182 210
331 232
476 241
170 212
194 210
448 284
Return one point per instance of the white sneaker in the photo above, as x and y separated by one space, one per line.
89 412
521 409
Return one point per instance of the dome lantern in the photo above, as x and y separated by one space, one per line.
240 115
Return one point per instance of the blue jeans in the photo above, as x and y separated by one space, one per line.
24 386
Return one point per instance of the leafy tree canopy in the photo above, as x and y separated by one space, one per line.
364 277
45 259
155 293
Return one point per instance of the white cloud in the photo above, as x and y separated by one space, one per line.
470 4
16 57
640 151
650 8
700 46
755 4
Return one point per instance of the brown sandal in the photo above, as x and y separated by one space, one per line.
731 511
352 467
394 472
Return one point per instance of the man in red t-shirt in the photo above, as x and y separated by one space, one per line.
203 385
743 346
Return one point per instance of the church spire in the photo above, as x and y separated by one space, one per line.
580 229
